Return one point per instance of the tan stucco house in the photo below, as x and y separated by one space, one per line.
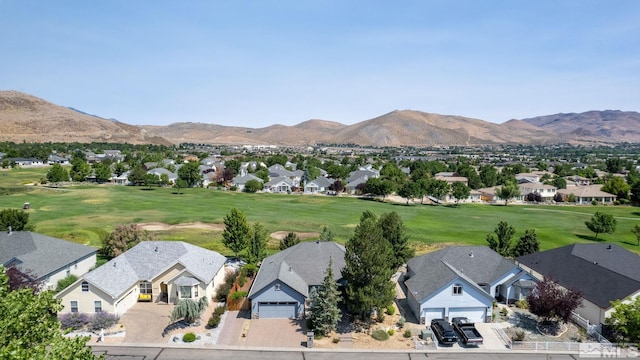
157 271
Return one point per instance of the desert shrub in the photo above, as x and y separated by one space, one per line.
189 337
518 336
224 289
239 295
102 320
250 269
401 322
407 333
65 282
391 332
380 316
504 312
219 310
522 304
73 321
380 335
214 320
391 310
335 340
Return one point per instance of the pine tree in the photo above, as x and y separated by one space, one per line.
257 250
366 270
394 231
325 313
326 235
289 240
236 232
527 244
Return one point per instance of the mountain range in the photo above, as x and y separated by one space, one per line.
28 118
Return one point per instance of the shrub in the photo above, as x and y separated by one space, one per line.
518 336
391 310
224 289
250 269
309 324
401 322
504 312
391 332
335 340
380 335
214 320
242 279
102 320
239 295
219 310
73 321
189 337
407 333
65 282
522 304
380 316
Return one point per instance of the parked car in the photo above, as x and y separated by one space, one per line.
467 330
444 332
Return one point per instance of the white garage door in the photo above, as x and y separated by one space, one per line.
475 314
432 313
280 310
126 302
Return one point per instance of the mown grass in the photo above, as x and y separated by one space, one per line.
85 214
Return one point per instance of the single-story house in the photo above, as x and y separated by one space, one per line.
279 185
157 271
490 195
319 185
587 194
602 272
284 281
173 177
463 281
241 181
46 258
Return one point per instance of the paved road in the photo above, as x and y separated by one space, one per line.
172 353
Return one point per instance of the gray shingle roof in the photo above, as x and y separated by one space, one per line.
149 259
476 264
602 272
300 266
39 253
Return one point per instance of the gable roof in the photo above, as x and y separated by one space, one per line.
40 254
320 181
148 259
278 181
476 264
587 191
602 272
300 266
241 180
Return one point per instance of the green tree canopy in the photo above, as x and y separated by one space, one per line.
394 231
80 170
288 241
527 244
325 313
326 234
236 232
460 191
14 218
253 186
57 173
190 173
257 248
601 223
30 329
617 186
123 238
507 192
625 319
501 243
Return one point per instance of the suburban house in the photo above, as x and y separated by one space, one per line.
587 194
46 258
490 195
463 281
546 192
241 181
602 272
156 271
159 171
279 185
284 281
319 185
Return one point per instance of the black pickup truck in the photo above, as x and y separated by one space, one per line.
444 332
467 330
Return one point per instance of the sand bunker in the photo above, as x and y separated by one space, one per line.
158 226
302 235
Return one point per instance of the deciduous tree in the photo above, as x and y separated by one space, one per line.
253 186
57 173
636 231
326 234
501 243
601 223
123 238
14 218
460 191
189 310
552 302
190 173
507 192
236 232
625 319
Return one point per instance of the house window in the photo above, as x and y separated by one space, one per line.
74 306
146 287
185 292
457 289
195 291
68 271
85 286
277 287
97 306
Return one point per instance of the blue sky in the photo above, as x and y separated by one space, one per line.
258 63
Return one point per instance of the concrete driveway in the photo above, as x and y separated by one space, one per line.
145 322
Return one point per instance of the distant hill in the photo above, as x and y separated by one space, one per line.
27 118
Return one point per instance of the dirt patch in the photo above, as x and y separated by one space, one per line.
529 323
302 235
158 226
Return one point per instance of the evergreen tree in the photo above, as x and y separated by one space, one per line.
289 240
14 218
326 235
527 244
325 313
257 249
394 231
366 270
502 244
236 232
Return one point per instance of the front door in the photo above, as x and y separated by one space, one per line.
164 295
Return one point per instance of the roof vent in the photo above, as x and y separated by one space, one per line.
289 268
609 247
9 232
471 253
114 264
156 249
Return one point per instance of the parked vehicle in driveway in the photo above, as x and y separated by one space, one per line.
467 330
444 332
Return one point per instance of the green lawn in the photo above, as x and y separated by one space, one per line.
85 214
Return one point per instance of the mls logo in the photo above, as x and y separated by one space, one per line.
598 350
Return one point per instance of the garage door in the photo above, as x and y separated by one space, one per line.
126 302
475 314
277 310
432 313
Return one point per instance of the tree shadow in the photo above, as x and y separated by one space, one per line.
590 238
636 213
630 243
147 189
